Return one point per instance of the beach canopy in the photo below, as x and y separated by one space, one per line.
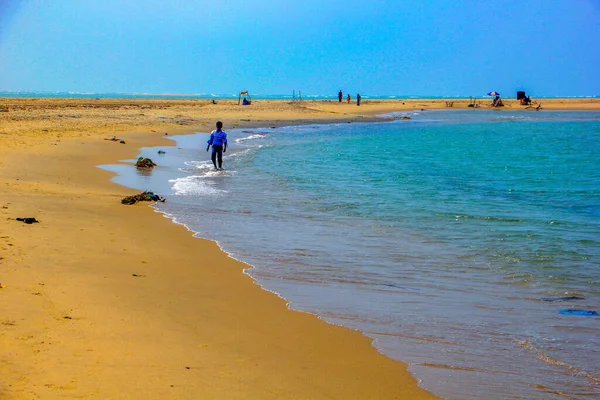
493 93
246 95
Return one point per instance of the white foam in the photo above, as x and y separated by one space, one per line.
199 164
244 152
251 137
197 185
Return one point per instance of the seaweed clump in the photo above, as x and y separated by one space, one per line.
144 196
144 162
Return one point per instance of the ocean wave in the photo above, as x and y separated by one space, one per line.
555 362
197 185
197 165
251 137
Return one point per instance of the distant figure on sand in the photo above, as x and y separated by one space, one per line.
358 99
340 95
497 102
218 140
348 98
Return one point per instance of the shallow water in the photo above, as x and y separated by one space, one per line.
439 237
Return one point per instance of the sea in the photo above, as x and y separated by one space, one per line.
292 95
465 243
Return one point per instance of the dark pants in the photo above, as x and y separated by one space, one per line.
217 153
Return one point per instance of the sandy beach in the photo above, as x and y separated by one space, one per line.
101 300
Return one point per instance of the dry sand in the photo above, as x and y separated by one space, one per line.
101 300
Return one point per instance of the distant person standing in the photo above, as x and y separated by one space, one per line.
340 95
358 99
348 98
218 140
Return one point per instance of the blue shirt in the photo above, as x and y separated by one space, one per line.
217 138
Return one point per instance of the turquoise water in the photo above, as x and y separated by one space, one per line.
449 238
232 96
199 96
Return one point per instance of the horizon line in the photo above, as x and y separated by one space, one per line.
74 94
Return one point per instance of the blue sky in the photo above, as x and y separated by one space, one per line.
375 47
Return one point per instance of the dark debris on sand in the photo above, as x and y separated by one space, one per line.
143 162
28 220
144 196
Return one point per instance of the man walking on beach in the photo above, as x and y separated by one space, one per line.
340 95
218 140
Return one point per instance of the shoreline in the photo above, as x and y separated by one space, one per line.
108 301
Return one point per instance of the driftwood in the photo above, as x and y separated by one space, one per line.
144 196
